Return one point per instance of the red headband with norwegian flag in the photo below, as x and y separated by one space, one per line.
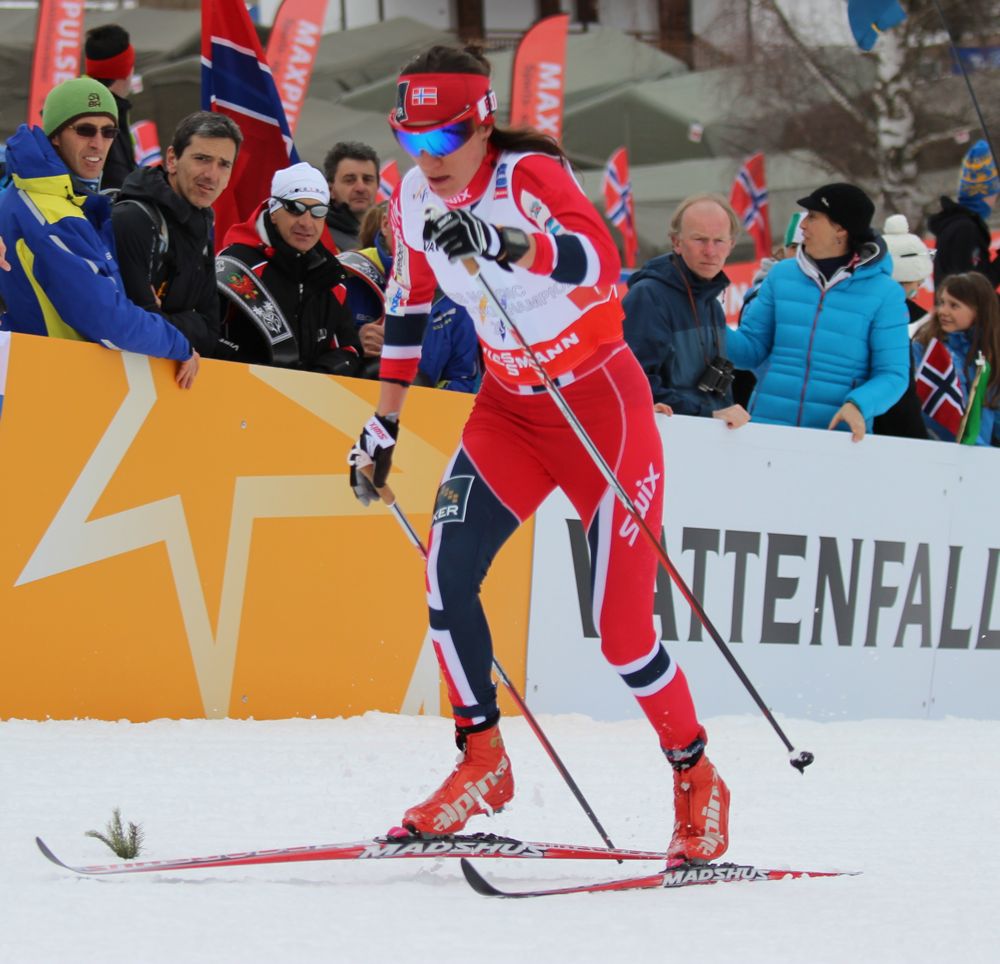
427 100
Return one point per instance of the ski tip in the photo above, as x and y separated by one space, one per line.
46 852
478 882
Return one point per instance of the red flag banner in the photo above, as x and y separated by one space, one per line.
236 81
749 200
57 51
539 77
938 387
388 179
291 52
147 144
619 204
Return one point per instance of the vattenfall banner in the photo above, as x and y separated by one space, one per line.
850 580
168 553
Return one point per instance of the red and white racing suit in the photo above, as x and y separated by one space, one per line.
517 447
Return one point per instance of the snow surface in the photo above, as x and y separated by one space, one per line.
912 804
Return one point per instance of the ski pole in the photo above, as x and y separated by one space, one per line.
386 494
798 759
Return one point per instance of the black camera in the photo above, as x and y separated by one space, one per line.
717 378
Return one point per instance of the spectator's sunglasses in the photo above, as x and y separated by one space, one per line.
297 208
108 132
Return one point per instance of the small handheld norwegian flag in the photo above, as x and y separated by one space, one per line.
388 178
938 387
619 204
147 144
749 200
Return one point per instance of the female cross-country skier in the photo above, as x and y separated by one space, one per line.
508 199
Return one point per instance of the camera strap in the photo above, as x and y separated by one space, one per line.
706 354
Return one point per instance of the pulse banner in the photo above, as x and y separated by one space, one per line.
57 51
539 77
291 52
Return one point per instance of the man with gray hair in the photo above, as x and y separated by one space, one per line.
164 227
351 170
674 321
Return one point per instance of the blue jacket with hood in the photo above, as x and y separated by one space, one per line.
674 344
827 342
64 281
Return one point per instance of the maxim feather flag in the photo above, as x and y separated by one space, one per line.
292 49
236 81
388 178
938 387
57 51
748 197
619 204
869 18
538 77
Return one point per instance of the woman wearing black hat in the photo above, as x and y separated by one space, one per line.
831 323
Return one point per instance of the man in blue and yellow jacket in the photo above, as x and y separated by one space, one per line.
63 279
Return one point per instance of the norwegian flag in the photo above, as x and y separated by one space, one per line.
147 144
388 178
619 204
236 81
749 200
938 387
424 95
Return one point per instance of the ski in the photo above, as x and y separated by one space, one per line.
376 848
683 875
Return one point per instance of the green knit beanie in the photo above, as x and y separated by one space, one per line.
76 98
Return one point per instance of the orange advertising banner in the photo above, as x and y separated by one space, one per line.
57 51
291 52
199 553
539 77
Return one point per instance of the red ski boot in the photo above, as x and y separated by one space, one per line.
482 782
701 806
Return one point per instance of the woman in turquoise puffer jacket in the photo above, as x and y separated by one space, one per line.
832 323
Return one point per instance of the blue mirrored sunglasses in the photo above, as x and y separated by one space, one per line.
437 141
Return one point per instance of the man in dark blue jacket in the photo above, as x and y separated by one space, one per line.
674 320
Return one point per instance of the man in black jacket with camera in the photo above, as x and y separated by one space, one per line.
674 321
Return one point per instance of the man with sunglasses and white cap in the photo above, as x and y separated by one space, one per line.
508 199
286 291
64 281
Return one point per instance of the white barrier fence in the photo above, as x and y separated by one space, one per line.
851 580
